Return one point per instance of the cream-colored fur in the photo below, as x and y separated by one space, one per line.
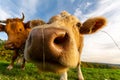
70 53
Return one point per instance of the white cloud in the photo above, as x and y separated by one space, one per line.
95 51
29 6
104 7
4 15
16 8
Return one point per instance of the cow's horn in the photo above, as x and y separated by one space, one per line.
2 21
22 17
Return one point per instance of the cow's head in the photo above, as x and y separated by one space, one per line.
57 45
17 31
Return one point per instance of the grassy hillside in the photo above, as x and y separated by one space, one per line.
91 71
31 73
100 65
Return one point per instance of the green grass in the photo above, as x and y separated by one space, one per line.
31 73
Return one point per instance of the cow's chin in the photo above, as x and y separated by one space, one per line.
59 65
10 48
50 67
47 65
15 47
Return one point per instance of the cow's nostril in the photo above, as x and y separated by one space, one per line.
61 40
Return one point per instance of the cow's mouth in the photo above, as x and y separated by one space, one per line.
9 46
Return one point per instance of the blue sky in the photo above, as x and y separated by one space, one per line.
98 47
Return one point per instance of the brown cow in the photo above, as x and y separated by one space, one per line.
17 32
57 46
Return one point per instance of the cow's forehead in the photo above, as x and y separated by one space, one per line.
14 20
64 18
13 25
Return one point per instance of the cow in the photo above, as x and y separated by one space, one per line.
57 45
17 32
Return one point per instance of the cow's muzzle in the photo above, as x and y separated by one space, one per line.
9 45
48 43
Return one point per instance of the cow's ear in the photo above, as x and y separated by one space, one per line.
2 27
92 25
34 23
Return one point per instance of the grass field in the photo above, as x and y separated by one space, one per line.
31 73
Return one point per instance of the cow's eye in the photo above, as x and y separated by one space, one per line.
78 24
